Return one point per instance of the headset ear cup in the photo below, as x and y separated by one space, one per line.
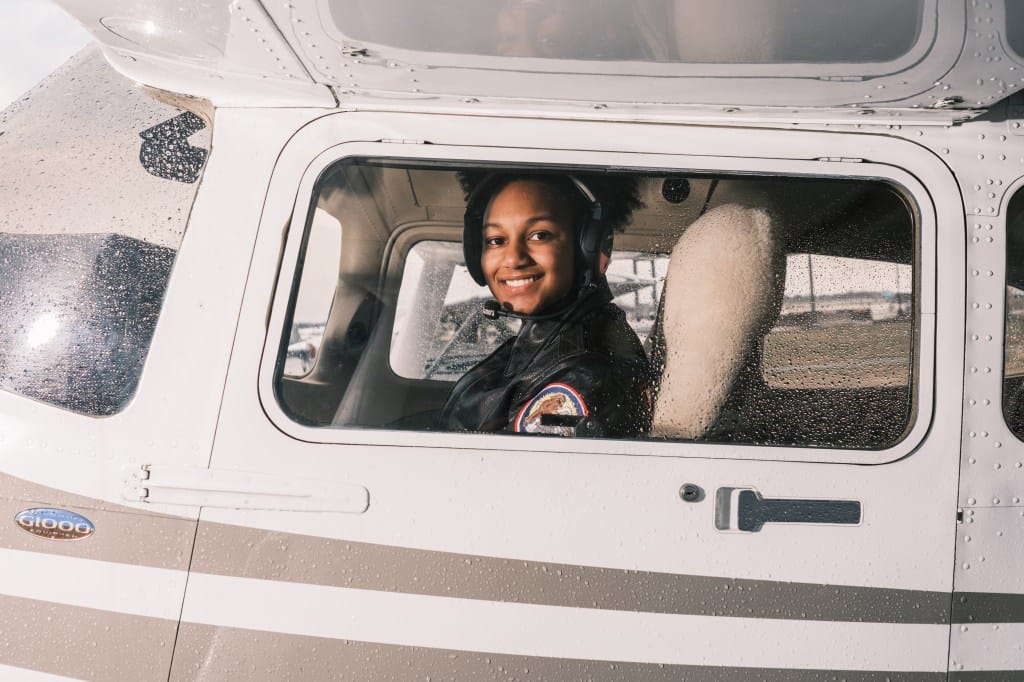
473 227
593 233
472 246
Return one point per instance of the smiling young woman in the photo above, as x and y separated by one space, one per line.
527 257
541 244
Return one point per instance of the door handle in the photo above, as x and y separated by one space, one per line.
746 510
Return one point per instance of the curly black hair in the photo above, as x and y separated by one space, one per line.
618 193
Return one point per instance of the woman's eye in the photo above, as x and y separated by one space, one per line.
540 236
494 241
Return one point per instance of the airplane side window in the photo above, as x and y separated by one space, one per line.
1013 348
1015 27
844 336
849 320
85 263
442 343
789 324
315 295
436 337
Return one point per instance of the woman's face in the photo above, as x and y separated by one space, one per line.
532 29
528 256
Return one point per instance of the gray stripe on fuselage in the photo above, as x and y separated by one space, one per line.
988 607
229 654
254 553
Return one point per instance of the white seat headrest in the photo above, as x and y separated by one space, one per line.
723 293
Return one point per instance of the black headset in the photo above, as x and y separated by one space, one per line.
592 235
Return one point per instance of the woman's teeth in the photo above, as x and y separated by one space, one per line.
516 283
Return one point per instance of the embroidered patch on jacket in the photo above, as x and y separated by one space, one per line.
562 401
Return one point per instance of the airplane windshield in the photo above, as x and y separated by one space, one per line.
85 264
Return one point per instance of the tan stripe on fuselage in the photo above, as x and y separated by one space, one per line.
254 553
236 655
84 643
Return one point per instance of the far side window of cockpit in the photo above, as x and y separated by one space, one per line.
770 311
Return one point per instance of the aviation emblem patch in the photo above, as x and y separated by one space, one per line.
560 400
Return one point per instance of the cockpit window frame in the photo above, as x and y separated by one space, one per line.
923 375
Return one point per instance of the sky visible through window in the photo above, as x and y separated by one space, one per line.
36 36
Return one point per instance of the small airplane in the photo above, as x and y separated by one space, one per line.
233 295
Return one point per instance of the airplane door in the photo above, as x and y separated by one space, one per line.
341 537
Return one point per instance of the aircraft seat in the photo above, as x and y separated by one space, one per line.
723 292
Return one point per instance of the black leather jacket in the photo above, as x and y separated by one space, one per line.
584 373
